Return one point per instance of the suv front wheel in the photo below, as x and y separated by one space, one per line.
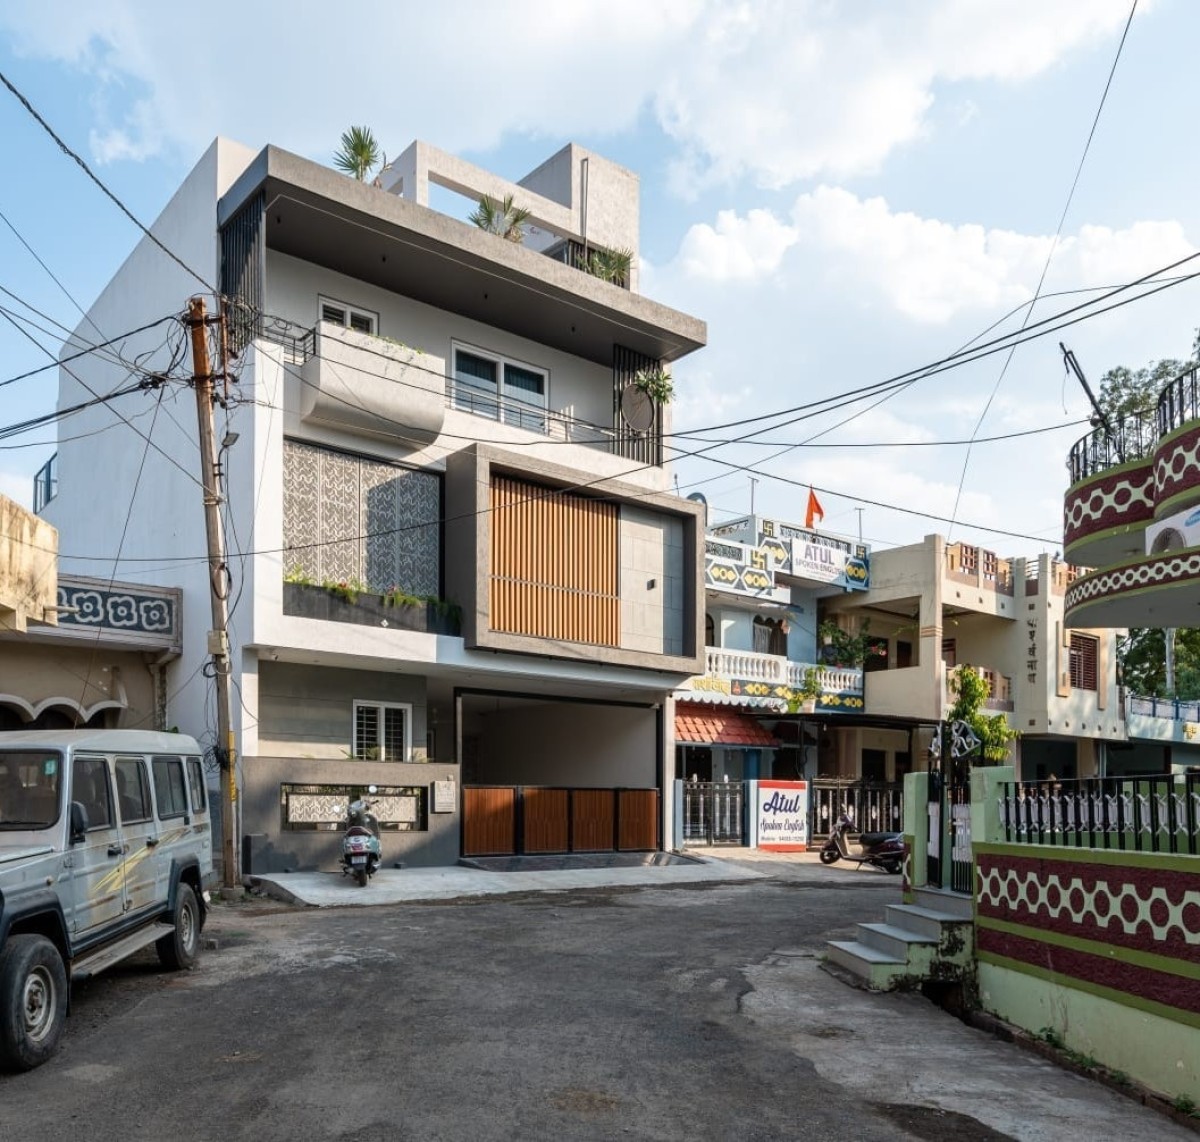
33 1001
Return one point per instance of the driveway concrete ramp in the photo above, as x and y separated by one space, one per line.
408 885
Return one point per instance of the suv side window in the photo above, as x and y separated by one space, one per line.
196 783
133 790
90 786
169 790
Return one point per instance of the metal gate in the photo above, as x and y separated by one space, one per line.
873 807
523 820
713 812
948 856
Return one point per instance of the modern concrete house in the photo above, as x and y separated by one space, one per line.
456 568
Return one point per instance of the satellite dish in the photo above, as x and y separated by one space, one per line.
698 498
637 409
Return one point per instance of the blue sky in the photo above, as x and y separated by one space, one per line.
842 191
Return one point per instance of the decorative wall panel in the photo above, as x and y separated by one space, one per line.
554 564
350 518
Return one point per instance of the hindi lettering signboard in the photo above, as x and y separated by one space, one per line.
781 816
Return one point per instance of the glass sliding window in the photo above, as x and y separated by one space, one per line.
475 387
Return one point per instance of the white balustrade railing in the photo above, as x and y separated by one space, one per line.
775 670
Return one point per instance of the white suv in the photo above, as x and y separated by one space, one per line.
105 848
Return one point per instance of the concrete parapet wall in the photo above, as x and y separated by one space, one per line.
1099 947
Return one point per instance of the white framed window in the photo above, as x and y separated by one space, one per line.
500 388
382 731
347 316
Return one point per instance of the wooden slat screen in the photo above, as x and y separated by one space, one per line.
554 570
489 821
591 820
638 820
546 828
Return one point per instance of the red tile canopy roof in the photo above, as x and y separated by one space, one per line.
712 725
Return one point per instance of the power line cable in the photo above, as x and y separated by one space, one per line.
66 150
1062 218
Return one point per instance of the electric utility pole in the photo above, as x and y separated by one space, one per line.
218 582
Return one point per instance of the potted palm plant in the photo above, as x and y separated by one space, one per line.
504 219
359 154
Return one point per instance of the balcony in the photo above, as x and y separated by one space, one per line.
1145 469
560 427
1162 719
978 568
371 386
772 679
1159 590
1111 498
45 484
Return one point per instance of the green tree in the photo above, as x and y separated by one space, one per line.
501 218
359 154
1127 392
993 731
1141 658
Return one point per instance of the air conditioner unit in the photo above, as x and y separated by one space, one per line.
1175 533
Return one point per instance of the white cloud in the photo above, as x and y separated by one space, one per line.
736 249
781 90
927 270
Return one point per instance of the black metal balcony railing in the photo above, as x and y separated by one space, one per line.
1179 402
507 409
45 484
1157 813
1133 438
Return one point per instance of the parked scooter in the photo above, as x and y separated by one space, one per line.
882 850
361 850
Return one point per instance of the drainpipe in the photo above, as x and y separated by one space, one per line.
583 200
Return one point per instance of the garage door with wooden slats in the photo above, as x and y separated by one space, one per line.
545 824
489 820
591 820
554 571
637 817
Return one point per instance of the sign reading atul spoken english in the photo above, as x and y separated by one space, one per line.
782 816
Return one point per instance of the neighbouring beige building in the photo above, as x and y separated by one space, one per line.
76 651
934 606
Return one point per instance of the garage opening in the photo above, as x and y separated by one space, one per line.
558 775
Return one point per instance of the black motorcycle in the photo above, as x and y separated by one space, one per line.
882 850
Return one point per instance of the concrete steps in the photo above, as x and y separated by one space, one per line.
931 939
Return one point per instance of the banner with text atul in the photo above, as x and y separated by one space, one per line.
781 815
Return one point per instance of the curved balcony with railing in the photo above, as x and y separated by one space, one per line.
1111 497
1157 590
1177 454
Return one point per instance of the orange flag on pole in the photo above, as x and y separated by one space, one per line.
815 511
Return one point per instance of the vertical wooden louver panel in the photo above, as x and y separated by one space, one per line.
554 567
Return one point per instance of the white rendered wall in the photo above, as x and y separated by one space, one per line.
575 387
125 509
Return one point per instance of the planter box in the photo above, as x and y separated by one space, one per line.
302 600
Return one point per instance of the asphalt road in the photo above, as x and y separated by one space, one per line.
689 1013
